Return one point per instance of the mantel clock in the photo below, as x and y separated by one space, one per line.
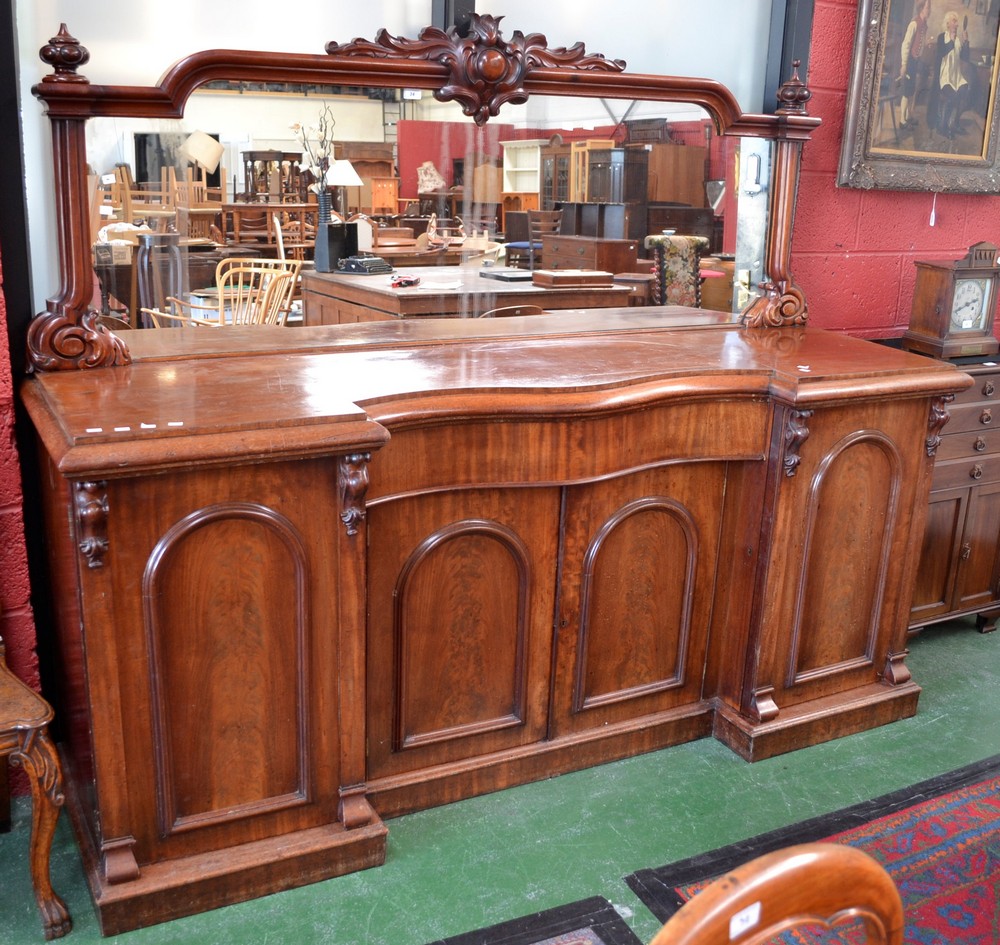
954 304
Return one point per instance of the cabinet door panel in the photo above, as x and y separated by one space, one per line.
636 592
978 557
460 624
939 555
228 719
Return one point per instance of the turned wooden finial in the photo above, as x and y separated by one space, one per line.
65 54
793 94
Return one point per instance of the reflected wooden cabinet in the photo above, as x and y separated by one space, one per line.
380 195
555 175
959 569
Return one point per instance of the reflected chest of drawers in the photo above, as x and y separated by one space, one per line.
959 570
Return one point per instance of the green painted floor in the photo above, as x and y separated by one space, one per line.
481 861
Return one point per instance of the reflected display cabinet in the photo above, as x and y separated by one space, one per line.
309 578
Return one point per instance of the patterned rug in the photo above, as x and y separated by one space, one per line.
587 922
939 840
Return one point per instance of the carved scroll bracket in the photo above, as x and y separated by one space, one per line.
352 478
896 671
939 416
355 808
763 708
91 500
485 69
796 433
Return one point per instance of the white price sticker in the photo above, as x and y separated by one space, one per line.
744 919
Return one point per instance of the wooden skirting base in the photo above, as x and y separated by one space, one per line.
818 721
194 884
431 787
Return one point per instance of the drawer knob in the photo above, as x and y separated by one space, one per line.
965 552
989 389
977 471
986 416
979 445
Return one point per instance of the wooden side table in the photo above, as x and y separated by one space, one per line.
24 720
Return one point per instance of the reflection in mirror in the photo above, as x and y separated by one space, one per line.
617 169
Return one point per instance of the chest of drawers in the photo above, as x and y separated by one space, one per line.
589 252
959 570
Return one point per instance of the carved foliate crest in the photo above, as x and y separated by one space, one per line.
486 70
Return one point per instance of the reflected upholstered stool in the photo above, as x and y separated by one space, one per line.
24 720
678 275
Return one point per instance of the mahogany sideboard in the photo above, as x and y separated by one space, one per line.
404 563
308 578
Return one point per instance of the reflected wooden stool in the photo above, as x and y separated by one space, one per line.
24 719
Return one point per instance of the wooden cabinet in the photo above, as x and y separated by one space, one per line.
607 220
677 174
380 195
522 165
601 173
587 252
555 175
959 570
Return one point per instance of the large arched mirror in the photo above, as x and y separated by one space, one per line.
464 134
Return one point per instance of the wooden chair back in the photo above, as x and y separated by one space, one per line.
256 291
822 885
541 223
247 291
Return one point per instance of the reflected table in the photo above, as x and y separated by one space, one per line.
333 298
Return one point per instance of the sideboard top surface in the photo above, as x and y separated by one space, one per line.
353 378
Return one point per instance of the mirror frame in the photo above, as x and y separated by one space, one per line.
479 69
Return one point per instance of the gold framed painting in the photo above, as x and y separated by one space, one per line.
922 100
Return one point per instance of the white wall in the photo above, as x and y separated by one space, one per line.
135 41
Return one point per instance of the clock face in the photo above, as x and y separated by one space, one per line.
970 304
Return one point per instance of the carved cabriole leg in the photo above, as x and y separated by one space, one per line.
37 755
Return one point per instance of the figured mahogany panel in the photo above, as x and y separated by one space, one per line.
460 603
640 565
479 569
853 506
218 752
636 589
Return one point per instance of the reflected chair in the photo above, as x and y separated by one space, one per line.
677 269
822 885
541 223
509 310
247 292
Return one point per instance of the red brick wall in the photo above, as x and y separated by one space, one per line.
16 623
853 250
